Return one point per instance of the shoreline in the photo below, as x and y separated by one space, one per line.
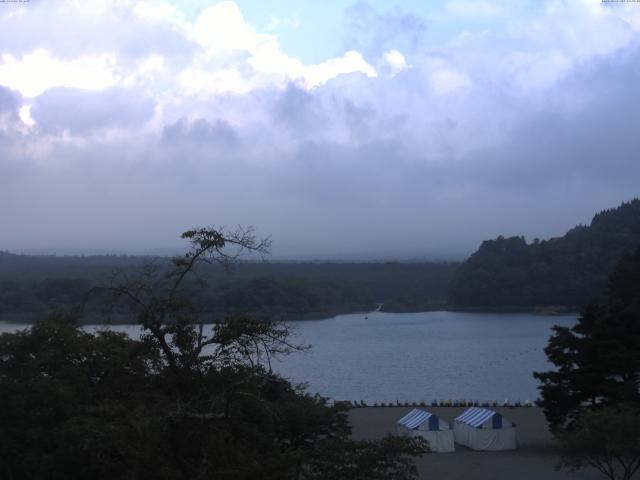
28 318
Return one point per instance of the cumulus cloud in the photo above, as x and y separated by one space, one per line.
76 29
27 74
121 133
395 61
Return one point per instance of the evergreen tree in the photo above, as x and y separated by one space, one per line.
597 360
567 271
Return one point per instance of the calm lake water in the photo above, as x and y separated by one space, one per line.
417 356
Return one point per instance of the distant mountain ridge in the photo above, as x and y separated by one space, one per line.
567 271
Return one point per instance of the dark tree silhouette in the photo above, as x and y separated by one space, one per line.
592 400
568 271
597 360
607 440
181 402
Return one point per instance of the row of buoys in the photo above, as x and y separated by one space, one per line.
442 403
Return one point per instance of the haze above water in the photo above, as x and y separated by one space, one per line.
417 356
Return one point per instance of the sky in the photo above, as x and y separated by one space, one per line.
363 130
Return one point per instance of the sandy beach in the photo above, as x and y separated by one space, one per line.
535 458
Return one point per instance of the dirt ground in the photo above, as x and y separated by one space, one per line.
534 459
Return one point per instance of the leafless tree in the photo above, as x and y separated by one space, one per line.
173 322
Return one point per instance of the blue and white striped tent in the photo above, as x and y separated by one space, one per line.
483 429
428 426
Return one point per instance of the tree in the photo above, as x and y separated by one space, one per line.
607 440
388 458
156 295
592 400
180 403
597 360
564 271
67 399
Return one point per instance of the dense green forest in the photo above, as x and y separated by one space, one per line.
505 273
566 271
31 286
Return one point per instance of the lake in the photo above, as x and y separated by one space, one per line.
417 356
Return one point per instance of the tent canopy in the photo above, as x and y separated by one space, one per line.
419 423
419 419
483 429
479 418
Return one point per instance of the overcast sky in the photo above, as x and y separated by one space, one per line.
387 129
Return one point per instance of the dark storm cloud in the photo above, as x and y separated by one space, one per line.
82 111
299 111
584 131
359 118
202 131
391 192
489 135
9 101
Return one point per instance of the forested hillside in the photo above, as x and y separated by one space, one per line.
31 286
505 273
566 271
